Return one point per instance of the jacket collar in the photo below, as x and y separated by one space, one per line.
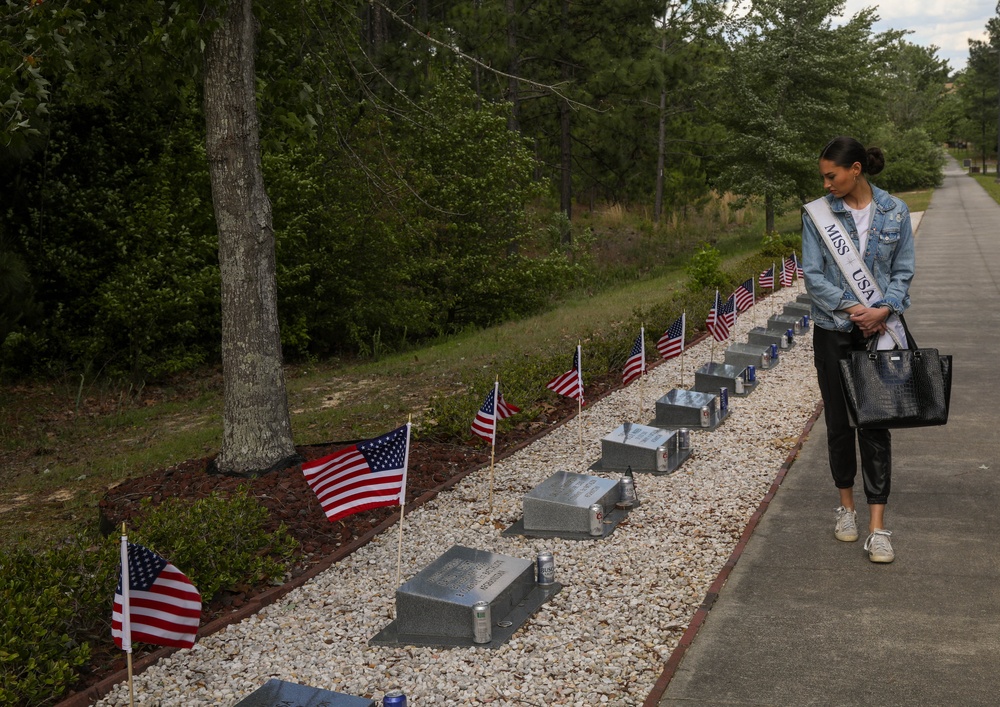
881 198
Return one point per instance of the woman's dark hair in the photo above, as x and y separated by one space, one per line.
844 151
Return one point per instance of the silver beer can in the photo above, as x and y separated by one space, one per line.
797 328
662 458
723 400
738 386
786 340
626 489
482 624
706 416
546 566
684 439
597 519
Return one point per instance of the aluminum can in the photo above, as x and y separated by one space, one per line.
546 565
482 624
797 328
788 339
738 385
706 416
752 369
396 698
662 459
723 400
684 438
597 519
805 322
626 489
774 354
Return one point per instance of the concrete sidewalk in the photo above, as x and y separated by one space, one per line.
807 620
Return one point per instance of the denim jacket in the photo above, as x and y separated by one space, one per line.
888 254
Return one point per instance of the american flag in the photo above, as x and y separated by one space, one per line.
745 296
766 278
798 266
569 383
671 344
368 474
722 317
158 604
787 272
485 424
635 366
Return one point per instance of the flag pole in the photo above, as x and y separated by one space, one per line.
684 319
493 441
127 616
579 397
402 503
642 372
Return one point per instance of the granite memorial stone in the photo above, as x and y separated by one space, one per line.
750 355
278 693
435 608
641 448
783 322
766 337
687 408
712 376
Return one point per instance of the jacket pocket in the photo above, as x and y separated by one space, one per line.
887 241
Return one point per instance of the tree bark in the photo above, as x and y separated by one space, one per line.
566 137
661 148
513 67
257 432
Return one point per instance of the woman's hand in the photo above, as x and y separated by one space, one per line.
871 320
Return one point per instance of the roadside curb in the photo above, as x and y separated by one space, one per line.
674 661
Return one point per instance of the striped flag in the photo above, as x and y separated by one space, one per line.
721 317
368 474
485 424
154 602
635 366
798 266
671 344
569 383
787 272
745 296
766 278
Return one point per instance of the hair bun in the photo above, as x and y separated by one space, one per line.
876 160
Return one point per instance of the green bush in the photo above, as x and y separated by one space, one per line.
704 270
53 605
219 543
912 161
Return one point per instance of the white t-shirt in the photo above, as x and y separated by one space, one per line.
862 221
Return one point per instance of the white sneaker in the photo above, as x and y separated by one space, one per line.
879 548
847 525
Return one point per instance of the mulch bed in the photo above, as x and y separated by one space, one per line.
290 502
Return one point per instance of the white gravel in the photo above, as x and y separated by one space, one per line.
625 602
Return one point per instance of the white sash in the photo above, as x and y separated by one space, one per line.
845 253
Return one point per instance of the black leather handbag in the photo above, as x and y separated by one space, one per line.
908 387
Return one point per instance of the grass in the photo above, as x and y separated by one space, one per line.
990 184
60 449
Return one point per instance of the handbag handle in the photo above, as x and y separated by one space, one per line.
872 341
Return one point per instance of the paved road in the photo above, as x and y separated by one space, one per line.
807 620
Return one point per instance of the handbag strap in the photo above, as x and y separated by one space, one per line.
852 266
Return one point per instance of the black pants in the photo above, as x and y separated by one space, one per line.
876 446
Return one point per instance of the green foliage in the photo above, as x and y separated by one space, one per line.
912 161
704 270
53 605
219 543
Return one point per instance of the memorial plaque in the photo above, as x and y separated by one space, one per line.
435 607
562 502
278 693
766 337
804 298
645 449
712 376
758 355
783 322
683 408
797 309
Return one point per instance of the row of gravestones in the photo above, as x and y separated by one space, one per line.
469 597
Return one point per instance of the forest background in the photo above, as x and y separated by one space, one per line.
431 170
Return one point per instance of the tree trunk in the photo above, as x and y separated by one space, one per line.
257 432
661 148
513 90
769 214
566 142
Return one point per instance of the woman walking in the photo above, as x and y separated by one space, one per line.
879 229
